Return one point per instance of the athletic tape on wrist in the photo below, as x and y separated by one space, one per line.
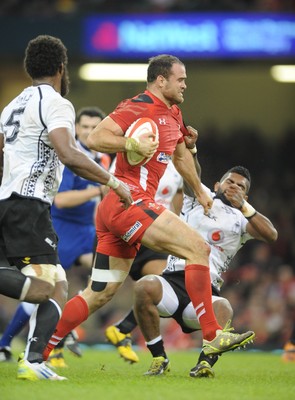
193 150
113 182
247 210
132 144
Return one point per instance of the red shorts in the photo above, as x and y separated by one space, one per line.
119 231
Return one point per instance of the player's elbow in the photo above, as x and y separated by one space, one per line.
92 141
67 157
58 202
273 235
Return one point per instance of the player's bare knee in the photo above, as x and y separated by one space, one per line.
60 294
110 290
43 279
97 299
39 291
197 248
147 289
223 310
202 247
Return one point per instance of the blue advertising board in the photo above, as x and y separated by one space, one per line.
189 36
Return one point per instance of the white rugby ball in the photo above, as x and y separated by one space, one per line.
138 128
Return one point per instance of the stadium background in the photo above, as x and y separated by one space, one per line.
243 117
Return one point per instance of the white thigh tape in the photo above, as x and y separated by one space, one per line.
60 274
47 272
108 275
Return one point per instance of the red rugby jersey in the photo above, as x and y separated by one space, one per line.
144 180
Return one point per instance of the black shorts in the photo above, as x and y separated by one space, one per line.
26 232
142 257
177 281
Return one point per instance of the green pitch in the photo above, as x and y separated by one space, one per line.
102 375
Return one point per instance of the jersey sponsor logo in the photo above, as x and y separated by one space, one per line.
128 235
165 192
163 158
215 236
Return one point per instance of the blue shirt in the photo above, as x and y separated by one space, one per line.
84 213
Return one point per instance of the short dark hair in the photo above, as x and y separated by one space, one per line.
44 56
238 169
161 65
90 112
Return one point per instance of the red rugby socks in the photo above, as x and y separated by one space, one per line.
198 286
74 313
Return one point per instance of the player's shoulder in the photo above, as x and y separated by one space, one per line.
19 100
53 100
46 92
143 98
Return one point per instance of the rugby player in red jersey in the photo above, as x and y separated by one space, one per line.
121 231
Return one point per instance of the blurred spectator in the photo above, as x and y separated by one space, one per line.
50 8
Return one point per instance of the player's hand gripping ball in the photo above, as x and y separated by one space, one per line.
137 129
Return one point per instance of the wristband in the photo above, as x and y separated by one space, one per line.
132 144
194 150
247 210
113 182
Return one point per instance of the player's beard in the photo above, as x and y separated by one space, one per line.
65 83
220 195
176 99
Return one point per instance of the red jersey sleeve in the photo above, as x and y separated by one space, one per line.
127 112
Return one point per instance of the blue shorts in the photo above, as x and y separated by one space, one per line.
74 240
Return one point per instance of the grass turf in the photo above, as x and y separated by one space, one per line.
102 375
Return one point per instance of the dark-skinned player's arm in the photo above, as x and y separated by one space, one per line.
259 226
184 163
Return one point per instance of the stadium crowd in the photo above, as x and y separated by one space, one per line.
49 8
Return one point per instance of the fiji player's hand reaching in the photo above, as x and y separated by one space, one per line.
191 138
190 141
121 189
205 200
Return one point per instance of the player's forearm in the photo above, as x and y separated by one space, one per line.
197 164
74 198
261 228
106 142
187 169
